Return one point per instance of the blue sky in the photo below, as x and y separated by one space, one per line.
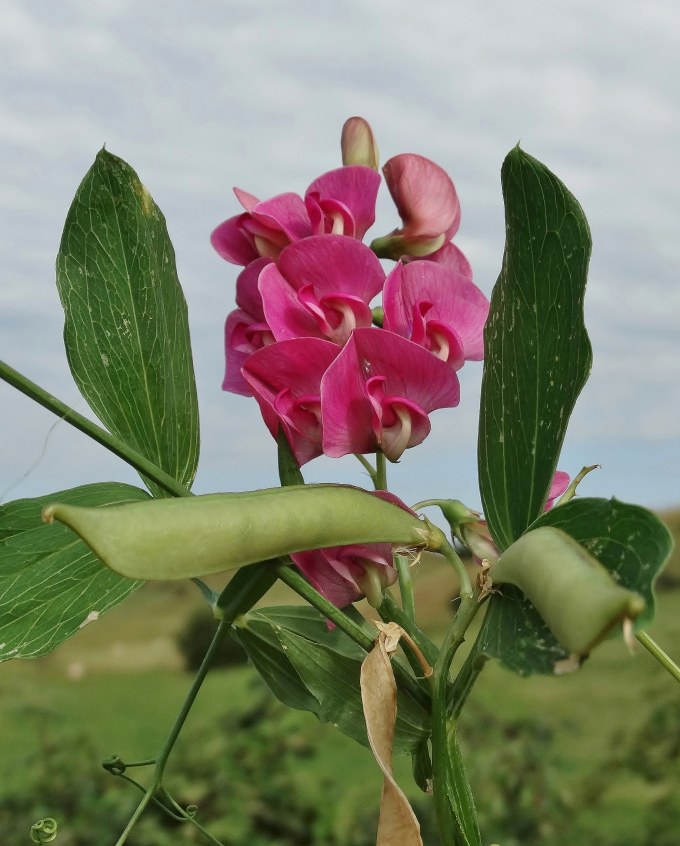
201 97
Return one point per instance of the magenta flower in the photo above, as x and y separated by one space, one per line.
344 574
378 392
559 484
285 379
341 201
246 329
437 308
321 287
427 203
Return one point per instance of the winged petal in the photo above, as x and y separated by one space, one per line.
438 308
285 379
378 392
353 187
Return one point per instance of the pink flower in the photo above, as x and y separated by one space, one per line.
559 484
321 287
246 329
378 392
285 379
427 203
341 201
343 574
437 308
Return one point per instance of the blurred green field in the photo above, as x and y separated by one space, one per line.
117 686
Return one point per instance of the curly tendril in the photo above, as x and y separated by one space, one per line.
44 831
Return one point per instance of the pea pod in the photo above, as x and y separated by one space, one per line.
576 596
196 536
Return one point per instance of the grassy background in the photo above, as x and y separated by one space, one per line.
116 687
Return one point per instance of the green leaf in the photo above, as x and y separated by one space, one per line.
630 541
538 355
317 670
126 331
51 584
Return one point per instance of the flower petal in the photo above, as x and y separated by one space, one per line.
233 242
413 380
285 378
356 188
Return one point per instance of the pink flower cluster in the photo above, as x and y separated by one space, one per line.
302 340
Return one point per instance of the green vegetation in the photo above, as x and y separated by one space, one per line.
587 758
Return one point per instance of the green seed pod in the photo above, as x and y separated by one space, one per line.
576 596
195 536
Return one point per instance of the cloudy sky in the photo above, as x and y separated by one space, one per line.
203 96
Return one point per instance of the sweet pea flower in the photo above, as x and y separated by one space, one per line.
437 308
321 287
285 379
341 201
427 203
378 392
344 574
246 329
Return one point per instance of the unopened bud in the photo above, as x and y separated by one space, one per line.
358 144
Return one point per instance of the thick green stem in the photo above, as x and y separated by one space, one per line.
174 733
654 649
464 681
403 565
97 433
444 775
380 471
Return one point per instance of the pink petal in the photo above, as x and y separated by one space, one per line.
410 377
248 201
248 296
243 335
559 484
424 195
321 287
335 587
233 242
452 257
435 306
285 213
356 188
285 379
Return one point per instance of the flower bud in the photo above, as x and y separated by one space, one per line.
358 144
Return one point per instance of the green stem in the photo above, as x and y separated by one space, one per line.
440 544
174 733
654 649
464 682
390 612
380 471
97 433
447 818
302 587
368 467
403 565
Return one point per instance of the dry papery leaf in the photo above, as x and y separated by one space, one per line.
397 825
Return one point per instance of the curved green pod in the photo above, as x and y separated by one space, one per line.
576 596
196 536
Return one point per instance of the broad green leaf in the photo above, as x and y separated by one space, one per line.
313 669
126 330
51 584
537 352
631 542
